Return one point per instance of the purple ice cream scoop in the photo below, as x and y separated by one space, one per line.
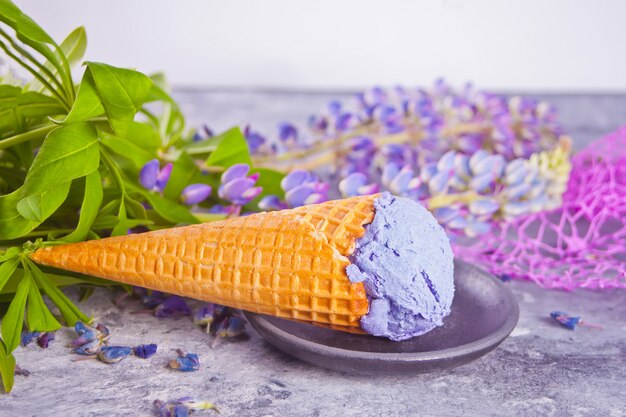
406 265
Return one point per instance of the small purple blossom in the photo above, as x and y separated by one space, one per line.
272 202
185 362
565 320
237 186
90 339
153 178
302 187
287 132
401 181
145 351
255 140
195 193
113 354
356 184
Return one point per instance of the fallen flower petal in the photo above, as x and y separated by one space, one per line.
145 351
185 362
172 306
113 354
44 340
28 337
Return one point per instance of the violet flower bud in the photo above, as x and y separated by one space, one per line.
271 202
255 140
153 178
238 188
149 173
356 184
164 176
195 193
287 132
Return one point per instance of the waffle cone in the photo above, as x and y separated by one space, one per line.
289 263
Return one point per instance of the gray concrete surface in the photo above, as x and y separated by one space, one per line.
542 369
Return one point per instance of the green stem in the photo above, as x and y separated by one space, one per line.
27 136
39 65
110 164
35 74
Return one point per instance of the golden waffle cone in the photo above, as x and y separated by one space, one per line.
289 263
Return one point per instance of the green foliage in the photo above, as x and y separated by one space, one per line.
70 159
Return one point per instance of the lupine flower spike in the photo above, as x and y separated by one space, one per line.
570 322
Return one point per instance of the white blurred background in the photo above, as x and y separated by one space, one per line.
519 45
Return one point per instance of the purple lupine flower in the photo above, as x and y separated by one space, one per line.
317 124
145 351
287 132
172 306
153 178
344 122
302 187
195 193
113 354
255 140
185 362
356 184
44 340
402 181
272 202
238 187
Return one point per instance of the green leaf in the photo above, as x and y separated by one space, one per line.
12 224
7 367
13 320
34 36
7 269
232 148
185 172
270 181
169 210
69 152
75 45
122 93
18 108
38 316
87 104
89 210
139 146
38 207
10 253
70 312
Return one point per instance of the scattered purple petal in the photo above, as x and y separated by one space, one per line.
113 354
185 362
145 351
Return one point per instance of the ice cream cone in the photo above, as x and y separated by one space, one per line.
289 263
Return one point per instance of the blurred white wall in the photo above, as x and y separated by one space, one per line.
523 45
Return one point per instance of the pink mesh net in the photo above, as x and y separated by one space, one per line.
580 245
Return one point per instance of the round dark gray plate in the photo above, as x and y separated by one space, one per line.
484 312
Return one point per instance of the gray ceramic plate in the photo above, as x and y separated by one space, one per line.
484 312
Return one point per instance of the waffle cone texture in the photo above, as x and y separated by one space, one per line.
288 263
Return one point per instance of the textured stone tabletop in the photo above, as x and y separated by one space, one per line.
542 369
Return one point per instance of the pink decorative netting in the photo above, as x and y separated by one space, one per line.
579 245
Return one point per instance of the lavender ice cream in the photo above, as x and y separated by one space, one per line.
405 263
